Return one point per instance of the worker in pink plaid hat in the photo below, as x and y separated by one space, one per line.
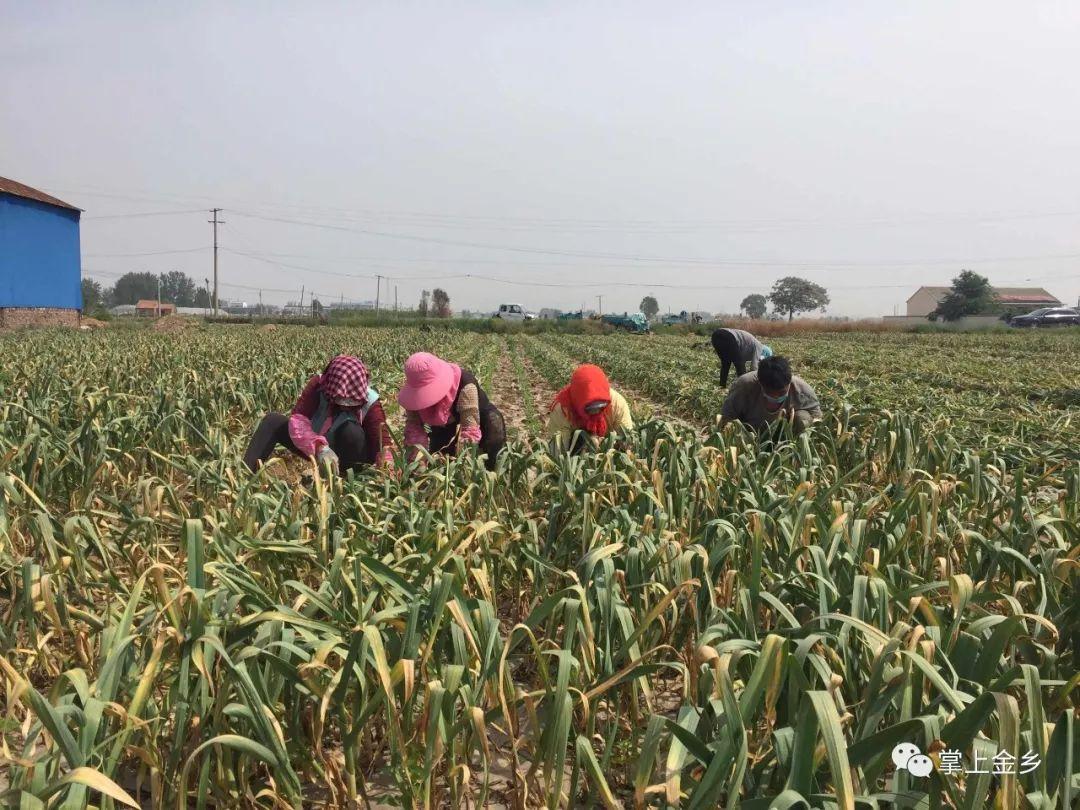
338 420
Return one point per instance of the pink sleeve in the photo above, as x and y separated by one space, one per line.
307 441
415 434
470 434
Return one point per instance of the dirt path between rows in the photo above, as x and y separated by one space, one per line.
542 393
508 396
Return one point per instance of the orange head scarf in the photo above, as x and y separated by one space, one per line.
588 384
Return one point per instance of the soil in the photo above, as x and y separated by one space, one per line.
20 317
270 327
91 323
508 396
175 323
542 393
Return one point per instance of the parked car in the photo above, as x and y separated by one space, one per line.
1048 316
512 312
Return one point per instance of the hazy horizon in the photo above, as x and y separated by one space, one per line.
696 154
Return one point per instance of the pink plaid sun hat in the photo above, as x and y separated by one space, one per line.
345 377
427 380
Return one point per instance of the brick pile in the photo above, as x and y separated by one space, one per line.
20 317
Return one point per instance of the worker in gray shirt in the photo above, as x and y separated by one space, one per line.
771 393
738 348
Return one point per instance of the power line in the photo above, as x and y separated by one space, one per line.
142 214
437 219
147 253
651 259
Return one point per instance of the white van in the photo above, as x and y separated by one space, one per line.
512 312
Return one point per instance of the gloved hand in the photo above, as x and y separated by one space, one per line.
328 456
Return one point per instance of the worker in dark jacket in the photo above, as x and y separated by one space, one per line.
769 395
444 405
738 348
337 420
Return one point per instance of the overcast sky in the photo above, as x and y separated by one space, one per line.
695 151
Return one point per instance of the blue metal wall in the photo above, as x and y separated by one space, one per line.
39 255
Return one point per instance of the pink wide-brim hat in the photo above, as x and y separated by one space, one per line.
427 380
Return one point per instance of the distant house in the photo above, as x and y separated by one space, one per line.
40 273
1013 299
149 308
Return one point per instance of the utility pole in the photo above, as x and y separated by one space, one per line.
302 288
378 291
159 295
215 222
395 298
600 303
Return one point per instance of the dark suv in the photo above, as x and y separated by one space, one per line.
1048 316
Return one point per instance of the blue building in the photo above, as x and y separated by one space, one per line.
40 263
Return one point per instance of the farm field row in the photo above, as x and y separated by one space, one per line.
691 620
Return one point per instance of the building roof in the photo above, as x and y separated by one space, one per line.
1006 295
17 189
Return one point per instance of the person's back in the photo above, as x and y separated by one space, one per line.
739 349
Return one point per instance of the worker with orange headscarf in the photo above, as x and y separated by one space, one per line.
589 406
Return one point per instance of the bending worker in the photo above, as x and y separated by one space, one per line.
738 348
590 405
338 420
771 393
444 405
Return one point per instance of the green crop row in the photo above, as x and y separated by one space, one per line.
692 621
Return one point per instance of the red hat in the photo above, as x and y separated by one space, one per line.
588 384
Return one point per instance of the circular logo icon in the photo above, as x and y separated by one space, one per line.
903 753
920 765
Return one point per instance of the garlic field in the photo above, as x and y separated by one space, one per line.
695 619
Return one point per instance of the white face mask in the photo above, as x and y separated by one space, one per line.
346 402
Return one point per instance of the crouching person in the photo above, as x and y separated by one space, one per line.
338 420
769 395
586 410
445 406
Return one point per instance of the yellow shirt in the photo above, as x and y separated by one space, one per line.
562 430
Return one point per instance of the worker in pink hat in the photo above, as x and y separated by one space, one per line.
444 405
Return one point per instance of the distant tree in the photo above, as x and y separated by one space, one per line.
649 307
793 294
971 294
202 298
93 295
754 306
441 303
130 288
423 308
178 288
